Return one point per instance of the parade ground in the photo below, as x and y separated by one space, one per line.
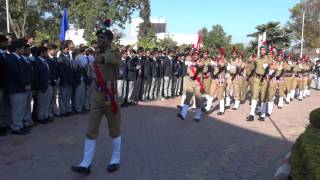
158 146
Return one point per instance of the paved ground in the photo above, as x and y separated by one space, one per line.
158 146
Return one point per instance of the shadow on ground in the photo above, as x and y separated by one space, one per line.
156 146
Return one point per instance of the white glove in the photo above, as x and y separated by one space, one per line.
265 66
271 72
290 63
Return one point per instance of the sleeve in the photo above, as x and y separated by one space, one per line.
111 57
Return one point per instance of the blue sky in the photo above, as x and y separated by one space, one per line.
238 17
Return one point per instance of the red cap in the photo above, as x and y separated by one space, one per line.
221 51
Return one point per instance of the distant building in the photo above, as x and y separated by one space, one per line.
159 26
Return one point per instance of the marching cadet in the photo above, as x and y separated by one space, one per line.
4 119
207 80
218 70
307 68
65 73
288 77
248 77
298 81
280 75
272 83
236 78
104 103
17 84
260 83
53 78
194 87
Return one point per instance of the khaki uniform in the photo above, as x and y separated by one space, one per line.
236 77
288 76
206 77
306 75
218 80
247 80
281 79
100 105
272 82
298 77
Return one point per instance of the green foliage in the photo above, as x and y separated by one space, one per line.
312 18
167 43
145 13
314 118
148 42
305 157
183 47
277 35
215 38
44 16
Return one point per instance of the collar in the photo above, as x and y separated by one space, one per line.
19 57
2 51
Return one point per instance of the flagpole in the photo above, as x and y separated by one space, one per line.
302 33
7 9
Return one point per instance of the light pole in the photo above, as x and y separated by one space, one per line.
302 33
7 9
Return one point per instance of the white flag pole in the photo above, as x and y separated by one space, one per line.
7 10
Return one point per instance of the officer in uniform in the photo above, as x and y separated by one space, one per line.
248 77
307 68
194 87
272 82
298 81
207 79
280 79
104 103
288 77
260 84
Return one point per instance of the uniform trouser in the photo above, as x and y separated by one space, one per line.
237 84
207 85
244 89
87 99
122 90
130 90
193 89
259 87
177 90
281 88
64 99
306 82
167 86
217 89
174 85
295 83
161 86
271 91
100 108
27 120
146 88
4 109
289 84
230 87
43 104
79 97
53 102
154 88
18 103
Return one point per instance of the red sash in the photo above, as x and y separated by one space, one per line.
105 90
198 80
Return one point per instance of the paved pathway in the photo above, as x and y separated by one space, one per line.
158 146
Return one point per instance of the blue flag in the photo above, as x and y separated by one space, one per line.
64 25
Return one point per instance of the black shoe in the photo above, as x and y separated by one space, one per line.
234 108
179 107
44 121
242 102
3 131
227 107
197 120
261 119
268 115
19 132
180 116
287 102
250 118
113 167
220 113
81 170
279 107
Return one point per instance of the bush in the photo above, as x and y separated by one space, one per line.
305 157
314 118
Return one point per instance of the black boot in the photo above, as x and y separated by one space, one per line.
250 118
113 167
261 118
180 116
81 170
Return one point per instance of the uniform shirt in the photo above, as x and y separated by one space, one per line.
110 66
261 65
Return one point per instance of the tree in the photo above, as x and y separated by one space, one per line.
184 47
145 12
312 22
215 38
167 43
148 41
277 35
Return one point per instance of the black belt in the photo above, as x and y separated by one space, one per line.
288 75
259 75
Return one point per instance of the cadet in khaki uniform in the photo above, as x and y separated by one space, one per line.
103 104
272 83
206 78
260 84
280 79
288 77
218 81
248 77
194 88
298 79
306 76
